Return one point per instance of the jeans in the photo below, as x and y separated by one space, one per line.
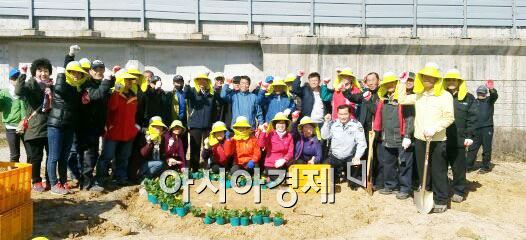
121 151
13 140
60 140
35 154
151 169
398 168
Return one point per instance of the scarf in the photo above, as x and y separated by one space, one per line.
281 134
241 135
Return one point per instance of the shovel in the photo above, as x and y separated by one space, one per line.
423 198
369 176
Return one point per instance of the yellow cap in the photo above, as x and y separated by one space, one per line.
307 120
278 117
241 122
431 69
387 78
177 123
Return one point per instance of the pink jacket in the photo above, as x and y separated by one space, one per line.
276 147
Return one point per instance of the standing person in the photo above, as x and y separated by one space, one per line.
345 83
175 99
121 129
13 112
312 104
62 122
223 110
95 94
243 102
290 79
276 99
395 149
484 127
459 134
201 101
348 141
434 112
33 92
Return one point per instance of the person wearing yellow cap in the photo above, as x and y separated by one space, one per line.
345 82
215 149
246 151
174 144
290 79
62 121
434 112
153 149
459 134
120 130
201 102
307 136
276 99
278 143
395 152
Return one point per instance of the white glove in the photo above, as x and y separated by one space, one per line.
172 162
429 132
279 163
356 161
148 139
171 142
286 112
467 142
206 143
61 70
108 74
406 143
74 50
158 85
328 118
366 95
138 127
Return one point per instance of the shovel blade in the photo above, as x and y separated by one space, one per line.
424 201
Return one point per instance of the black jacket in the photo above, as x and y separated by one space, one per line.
465 121
366 108
307 98
485 109
152 103
93 111
65 105
33 95
201 107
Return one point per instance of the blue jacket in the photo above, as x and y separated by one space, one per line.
201 106
275 103
180 114
243 104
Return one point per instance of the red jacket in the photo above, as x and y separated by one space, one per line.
120 122
220 153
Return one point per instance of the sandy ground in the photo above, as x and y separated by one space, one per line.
494 209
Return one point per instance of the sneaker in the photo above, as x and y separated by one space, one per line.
402 195
439 208
386 191
58 189
457 198
68 187
39 187
96 188
46 185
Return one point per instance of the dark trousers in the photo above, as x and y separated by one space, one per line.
136 160
35 154
88 152
197 135
13 140
398 167
340 165
456 158
74 160
437 171
377 165
483 137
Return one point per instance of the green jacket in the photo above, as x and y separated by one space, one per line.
13 110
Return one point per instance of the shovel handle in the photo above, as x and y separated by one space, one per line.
426 163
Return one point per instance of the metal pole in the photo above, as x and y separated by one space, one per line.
312 17
364 27
250 30
465 27
415 10
197 16
143 14
514 15
86 15
30 15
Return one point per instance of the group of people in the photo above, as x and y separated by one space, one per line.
221 123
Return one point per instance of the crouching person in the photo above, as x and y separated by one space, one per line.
348 141
153 150
245 146
215 148
307 136
433 114
278 143
395 128
174 144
